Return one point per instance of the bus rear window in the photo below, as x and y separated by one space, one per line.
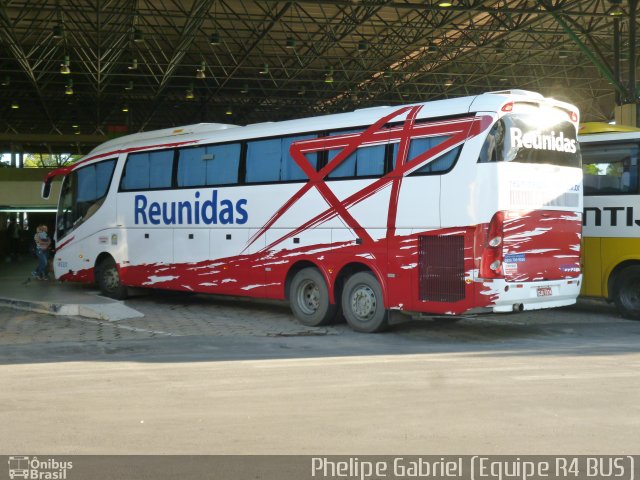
521 138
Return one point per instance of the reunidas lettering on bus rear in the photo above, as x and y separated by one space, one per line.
539 141
207 212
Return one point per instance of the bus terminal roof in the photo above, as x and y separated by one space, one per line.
140 66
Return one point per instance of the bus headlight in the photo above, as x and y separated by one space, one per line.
495 265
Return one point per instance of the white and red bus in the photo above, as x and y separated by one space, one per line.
450 207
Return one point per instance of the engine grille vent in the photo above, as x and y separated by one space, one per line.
441 268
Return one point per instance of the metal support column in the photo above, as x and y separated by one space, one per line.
633 96
616 57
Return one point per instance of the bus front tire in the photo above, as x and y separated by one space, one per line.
309 298
108 280
363 304
627 292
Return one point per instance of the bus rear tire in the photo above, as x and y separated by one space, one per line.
108 280
309 298
363 304
626 293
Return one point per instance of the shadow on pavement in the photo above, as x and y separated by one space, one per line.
182 327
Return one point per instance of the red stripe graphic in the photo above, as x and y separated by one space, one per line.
458 130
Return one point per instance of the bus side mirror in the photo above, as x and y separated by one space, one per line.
46 190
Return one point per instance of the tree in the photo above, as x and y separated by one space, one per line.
615 169
45 160
591 169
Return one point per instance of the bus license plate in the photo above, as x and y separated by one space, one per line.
544 291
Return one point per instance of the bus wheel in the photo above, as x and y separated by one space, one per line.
108 279
363 305
627 292
309 298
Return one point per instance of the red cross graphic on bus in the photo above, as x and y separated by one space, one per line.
456 132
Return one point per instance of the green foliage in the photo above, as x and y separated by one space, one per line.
615 169
590 169
44 160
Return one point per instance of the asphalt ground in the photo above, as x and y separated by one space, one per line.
206 375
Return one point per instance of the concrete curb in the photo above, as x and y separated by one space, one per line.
112 312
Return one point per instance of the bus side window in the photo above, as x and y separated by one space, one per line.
417 147
441 163
93 180
92 185
364 161
610 169
263 160
290 170
347 167
192 169
223 163
136 172
209 165
148 170
490 151
370 161
270 160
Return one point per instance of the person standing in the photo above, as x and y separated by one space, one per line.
13 235
42 241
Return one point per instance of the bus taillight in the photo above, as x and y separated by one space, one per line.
507 107
491 262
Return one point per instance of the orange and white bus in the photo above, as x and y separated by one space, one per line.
449 207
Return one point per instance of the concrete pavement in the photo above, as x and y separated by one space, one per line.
557 382
19 290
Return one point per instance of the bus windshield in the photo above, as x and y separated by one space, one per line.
521 138
83 191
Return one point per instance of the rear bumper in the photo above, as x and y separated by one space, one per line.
512 296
